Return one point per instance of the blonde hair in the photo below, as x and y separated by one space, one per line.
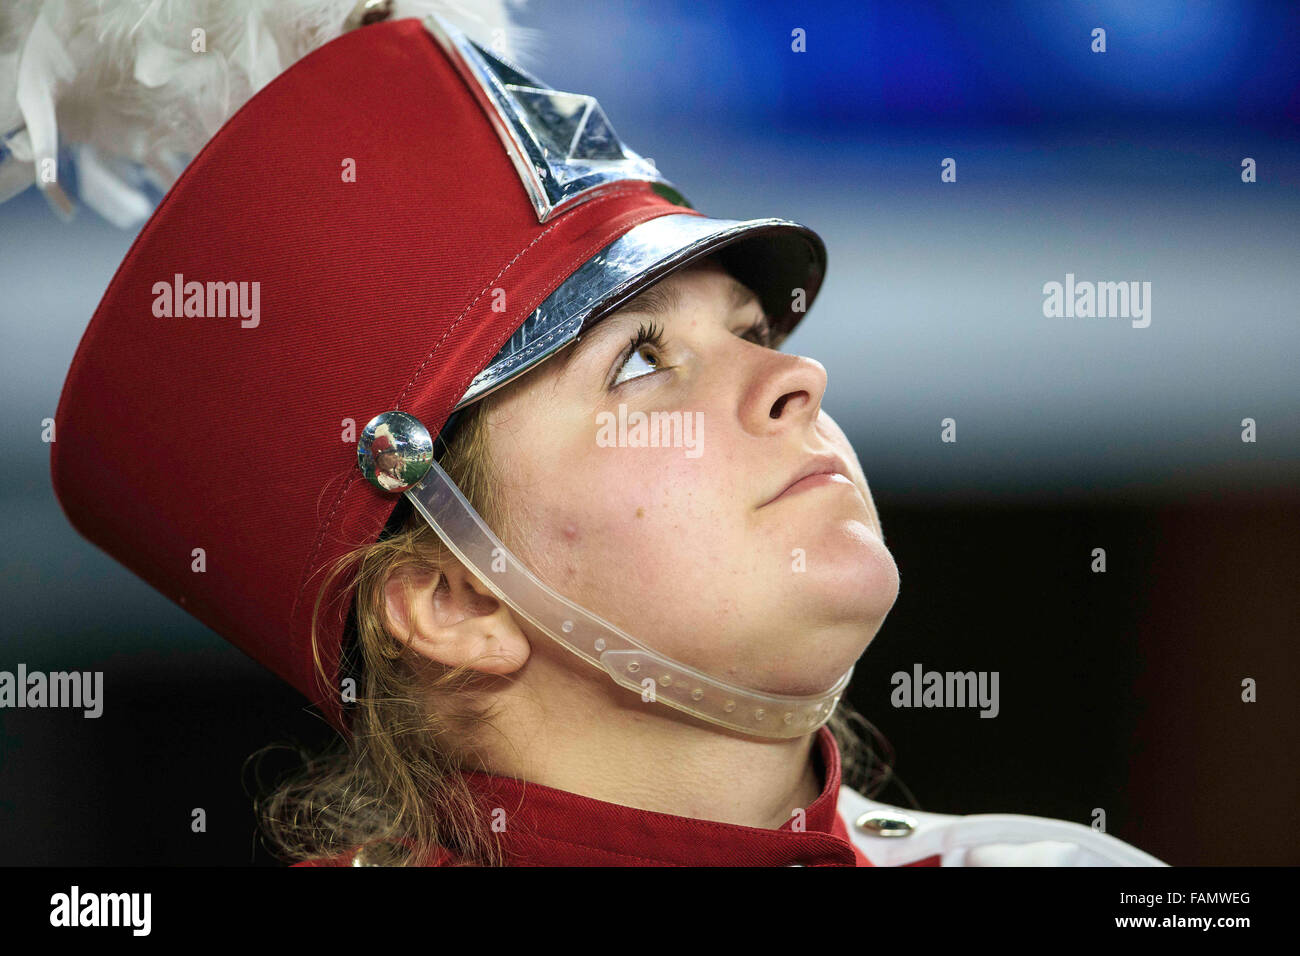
393 792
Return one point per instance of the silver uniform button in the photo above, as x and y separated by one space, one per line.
880 823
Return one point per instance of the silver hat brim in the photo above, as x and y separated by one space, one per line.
774 257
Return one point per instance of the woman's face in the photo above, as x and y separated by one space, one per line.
692 547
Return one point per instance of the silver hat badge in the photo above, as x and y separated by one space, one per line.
562 145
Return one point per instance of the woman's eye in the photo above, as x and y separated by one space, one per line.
760 333
642 361
645 350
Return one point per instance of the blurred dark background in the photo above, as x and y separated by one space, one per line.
1119 690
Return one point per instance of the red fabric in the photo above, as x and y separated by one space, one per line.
374 295
549 827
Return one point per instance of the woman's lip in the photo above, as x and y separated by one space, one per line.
813 481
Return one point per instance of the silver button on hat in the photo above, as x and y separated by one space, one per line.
395 451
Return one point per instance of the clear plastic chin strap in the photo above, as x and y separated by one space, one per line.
632 665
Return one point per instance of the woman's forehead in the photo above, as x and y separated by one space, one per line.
665 296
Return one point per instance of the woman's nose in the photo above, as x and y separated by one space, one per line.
785 392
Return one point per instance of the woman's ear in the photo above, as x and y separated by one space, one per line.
451 618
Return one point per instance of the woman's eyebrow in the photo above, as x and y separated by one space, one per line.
657 301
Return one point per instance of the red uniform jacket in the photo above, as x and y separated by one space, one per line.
549 827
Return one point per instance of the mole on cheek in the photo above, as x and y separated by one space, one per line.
640 512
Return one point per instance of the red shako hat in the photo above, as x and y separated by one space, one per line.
399 221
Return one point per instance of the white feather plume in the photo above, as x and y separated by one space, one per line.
117 86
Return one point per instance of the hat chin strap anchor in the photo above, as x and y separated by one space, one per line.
630 663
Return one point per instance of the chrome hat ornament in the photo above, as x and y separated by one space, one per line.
395 451
562 145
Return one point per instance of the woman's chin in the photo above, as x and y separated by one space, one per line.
809 656
852 586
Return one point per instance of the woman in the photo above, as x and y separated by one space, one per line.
692 551
626 643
